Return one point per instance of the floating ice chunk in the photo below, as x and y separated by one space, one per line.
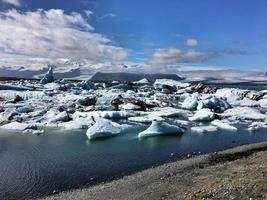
172 83
254 126
204 129
19 126
34 132
246 102
142 81
89 85
231 94
61 117
14 87
161 128
191 102
182 122
263 103
129 106
103 128
78 123
115 114
52 86
203 115
25 109
224 126
214 103
170 112
146 118
244 113
48 77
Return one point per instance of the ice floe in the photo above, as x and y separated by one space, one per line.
223 125
161 128
254 126
203 115
204 129
103 128
18 126
244 113
80 104
48 77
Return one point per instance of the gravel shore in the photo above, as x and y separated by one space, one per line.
238 173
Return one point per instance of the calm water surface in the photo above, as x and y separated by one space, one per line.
32 166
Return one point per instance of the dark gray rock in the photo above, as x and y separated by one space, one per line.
87 101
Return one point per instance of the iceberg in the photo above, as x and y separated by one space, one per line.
223 126
204 129
48 77
103 128
146 119
203 115
115 114
61 117
244 113
170 112
263 103
159 83
161 128
25 109
254 126
14 87
130 106
18 126
232 95
214 103
78 123
191 102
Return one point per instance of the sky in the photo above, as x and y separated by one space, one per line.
151 35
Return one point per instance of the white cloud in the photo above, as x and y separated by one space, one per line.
191 42
54 34
88 13
16 3
174 55
109 15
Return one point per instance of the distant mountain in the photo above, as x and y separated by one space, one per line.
265 74
131 77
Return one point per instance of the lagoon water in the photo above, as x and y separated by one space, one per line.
32 166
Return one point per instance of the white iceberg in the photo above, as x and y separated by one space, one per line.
254 126
48 77
146 118
60 117
203 115
182 122
170 112
161 128
115 114
204 129
129 106
77 123
223 126
263 103
214 103
244 113
18 126
103 128
191 102
25 109
172 83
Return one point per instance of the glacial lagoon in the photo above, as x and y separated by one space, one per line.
58 160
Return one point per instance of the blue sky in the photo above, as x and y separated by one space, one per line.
231 34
